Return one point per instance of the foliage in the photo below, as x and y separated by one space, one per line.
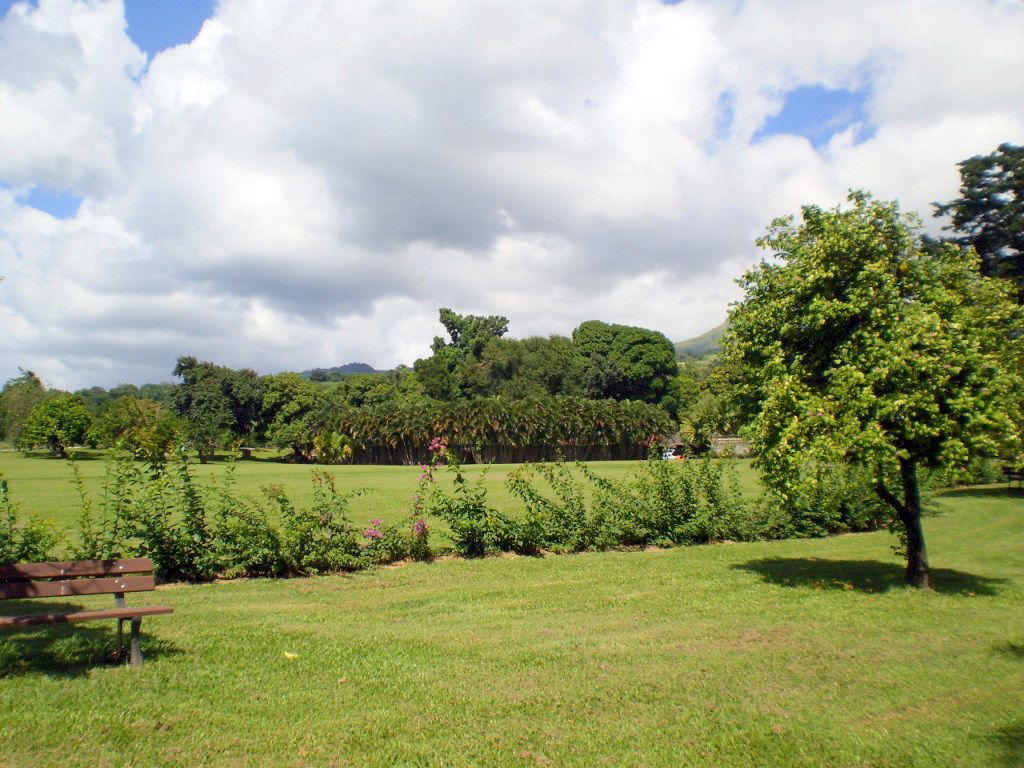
332 448
476 527
319 538
194 533
244 541
101 532
218 404
406 539
989 214
498 429
624 362
57 423
357 390
454 369
143 427
98 399
18 399
856 346
825 499
702 420
30 542
294 413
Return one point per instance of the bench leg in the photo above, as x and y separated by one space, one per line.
136 655
120 639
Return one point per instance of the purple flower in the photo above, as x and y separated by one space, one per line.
419 527
372 533
376 522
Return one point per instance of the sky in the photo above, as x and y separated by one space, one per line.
284 184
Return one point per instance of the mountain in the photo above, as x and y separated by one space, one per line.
705 344
322 374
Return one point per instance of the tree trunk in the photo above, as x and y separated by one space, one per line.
917 573
909 513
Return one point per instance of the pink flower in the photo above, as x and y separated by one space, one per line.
376 522
372 533
419 527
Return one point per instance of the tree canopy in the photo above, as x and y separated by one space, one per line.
855 345
57 423
989 214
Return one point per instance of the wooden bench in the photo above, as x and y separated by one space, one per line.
83 577
1012 475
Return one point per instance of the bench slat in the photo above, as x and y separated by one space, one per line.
76 616
67 568
67 587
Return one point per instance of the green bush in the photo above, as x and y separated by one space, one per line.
194 533
825 499
245 542
29 542
477 528
407 539
319 538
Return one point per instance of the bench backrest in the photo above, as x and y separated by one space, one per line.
76 577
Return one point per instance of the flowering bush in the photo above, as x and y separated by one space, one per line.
476 527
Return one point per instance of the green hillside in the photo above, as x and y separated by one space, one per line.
701 345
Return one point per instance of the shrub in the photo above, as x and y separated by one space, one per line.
565 523
245 542
825 499
30 542
102 532
406 539
477 528
168 523
318 538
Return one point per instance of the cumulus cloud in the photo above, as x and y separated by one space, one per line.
306 183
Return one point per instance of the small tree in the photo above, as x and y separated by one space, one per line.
144 427
857 346
17 399
57 423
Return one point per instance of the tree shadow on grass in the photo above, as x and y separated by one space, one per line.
1010 741
986 493
861 575
69 650
1012 649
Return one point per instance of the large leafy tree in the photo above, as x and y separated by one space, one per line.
296 412
455 368
989 214
218 404
17 399
855 345
625 362
57 423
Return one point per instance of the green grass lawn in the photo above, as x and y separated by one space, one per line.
795 653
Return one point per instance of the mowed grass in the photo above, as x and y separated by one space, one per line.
43 486
795 653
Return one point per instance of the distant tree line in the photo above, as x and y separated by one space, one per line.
608 391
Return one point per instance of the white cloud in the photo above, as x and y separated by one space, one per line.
305 183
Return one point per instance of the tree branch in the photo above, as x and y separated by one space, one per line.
887 496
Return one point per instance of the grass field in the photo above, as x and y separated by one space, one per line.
795 653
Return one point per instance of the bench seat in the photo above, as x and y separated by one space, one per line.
76 616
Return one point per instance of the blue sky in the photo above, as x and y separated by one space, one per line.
157 24
818 113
